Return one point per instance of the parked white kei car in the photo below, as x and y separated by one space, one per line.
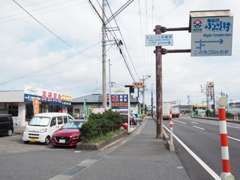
42 126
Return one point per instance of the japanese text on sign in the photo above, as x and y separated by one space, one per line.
211 36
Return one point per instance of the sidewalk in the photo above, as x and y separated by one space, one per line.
141 158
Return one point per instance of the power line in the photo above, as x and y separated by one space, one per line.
113 34
124 43
42 24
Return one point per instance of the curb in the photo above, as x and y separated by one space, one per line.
97 146
170 146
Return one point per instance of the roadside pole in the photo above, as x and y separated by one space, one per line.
158 52
226 169
171 145
129 110
110 85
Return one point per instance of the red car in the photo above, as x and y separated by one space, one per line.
69 135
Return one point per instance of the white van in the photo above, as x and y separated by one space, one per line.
43 125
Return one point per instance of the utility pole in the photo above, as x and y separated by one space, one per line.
105 21
214 101
145 77
110 85
152 103
207 101
104 92
158 52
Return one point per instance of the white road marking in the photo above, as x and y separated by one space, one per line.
199 128
200 161
87 162
232 127
61 177
235 139
179 167
77 151
195 122
180 122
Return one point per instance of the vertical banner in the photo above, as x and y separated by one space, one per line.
36 108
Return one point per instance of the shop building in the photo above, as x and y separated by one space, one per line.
23 104
93 101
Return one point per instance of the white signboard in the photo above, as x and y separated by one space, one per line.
222 101
159 40
211 36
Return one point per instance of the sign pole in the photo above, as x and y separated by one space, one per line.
129 110
158 85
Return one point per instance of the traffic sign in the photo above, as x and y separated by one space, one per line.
159 40
211 36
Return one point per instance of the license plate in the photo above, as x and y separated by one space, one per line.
62 141
33 140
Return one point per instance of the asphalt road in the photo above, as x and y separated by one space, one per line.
140 156
20 161
202 137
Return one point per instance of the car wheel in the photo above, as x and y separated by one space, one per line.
10 132
48 140
25 142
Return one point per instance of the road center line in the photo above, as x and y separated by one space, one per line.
180 122
235 139
199 128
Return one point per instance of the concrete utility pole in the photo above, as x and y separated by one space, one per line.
152 103
145 77
158 52
110 85
104 92
105 20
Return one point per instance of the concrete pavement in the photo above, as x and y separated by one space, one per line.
142 157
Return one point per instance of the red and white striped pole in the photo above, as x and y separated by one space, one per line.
226 169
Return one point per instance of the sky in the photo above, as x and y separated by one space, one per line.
31 56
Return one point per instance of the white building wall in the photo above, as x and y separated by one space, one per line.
22 114
11 96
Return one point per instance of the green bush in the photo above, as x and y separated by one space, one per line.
101 124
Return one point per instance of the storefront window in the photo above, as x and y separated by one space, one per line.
13 109
29 111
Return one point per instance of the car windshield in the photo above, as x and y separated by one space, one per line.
39 121
73 125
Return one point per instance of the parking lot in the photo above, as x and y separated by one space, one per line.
14 144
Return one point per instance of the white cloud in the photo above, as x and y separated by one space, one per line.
26 47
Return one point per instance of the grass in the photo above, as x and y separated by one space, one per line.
105 137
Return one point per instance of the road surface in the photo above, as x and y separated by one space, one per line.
202 137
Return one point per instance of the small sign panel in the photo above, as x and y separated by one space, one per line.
159 40
211 36
119 101
222 101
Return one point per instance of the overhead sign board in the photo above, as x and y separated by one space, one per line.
159 40
211 36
